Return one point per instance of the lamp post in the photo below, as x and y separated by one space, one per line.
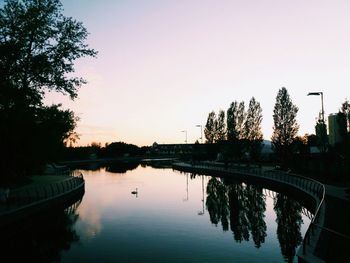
319 93
321 128
201 138
185 134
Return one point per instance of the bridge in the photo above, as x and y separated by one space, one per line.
324 240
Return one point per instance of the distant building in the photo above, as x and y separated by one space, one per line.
337 128
172 149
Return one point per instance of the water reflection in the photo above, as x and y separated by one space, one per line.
289 222
242 208
113 225
121 167
41 239
118 167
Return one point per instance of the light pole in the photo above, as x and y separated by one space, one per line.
186 135
321 128
319 93
201 138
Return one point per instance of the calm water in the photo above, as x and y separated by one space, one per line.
175 217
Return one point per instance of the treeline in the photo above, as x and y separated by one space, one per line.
97 151
236 135
239 131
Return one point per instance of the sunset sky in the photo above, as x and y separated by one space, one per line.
163 65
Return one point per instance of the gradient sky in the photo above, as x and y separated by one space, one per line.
164 65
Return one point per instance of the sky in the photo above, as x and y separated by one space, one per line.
163 65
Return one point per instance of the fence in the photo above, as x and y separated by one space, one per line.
18 198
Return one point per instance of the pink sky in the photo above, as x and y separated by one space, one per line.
164 65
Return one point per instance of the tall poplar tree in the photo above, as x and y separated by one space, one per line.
220 133
285 126
231 121
210 128
236 116
252 129
241 117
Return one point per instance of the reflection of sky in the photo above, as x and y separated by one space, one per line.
160 222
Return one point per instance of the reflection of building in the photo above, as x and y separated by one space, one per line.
337 128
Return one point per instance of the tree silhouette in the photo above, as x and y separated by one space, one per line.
285 126
38 47
210 128
252 129
220 131
231 120
235 126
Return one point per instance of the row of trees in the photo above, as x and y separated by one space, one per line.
241 128
96 150
239 123
38 47
237 134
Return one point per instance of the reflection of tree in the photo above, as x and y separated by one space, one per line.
121 167
239 206
40 239
217 202
238 212
289 221
112 167
257 207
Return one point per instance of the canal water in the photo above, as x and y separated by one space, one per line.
172 217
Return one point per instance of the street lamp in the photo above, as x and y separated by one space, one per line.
318 93
321 128
186 135
201 138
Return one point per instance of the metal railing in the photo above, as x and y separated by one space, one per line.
28 195
310 186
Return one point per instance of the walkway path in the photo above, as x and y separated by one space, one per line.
42 193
